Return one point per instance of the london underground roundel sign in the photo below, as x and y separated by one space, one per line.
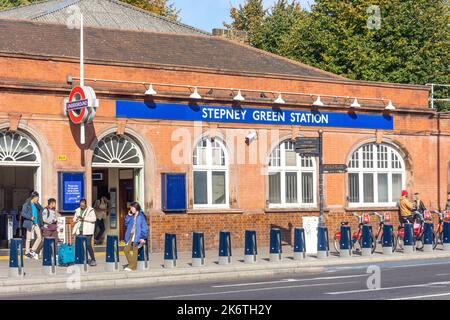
81 105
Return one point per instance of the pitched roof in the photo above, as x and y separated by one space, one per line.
180 50
99 13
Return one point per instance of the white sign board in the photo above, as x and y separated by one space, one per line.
310 224
61 229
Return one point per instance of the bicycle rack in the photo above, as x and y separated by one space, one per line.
170 251
428 236
49 256
387 239
81 253
299 244
366 240
16 258
446 236
143 257
198 249
275 245
322 243
251 248
112 253
345 244
408 238
224 248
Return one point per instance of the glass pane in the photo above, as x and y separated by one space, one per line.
291 158
275 157
218 187
354 161
383 195
396 187
307 187
200 187
353 187
368 187
367 156
275 187
291 187
382 155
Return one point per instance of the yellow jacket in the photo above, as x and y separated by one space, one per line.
405 206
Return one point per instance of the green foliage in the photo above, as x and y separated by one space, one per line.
5 4
409 45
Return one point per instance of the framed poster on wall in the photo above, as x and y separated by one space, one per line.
70 190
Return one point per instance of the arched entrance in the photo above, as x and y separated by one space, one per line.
118 173
20 173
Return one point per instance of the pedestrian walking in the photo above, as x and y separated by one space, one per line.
136 234
32 222
101 207
84 224
50 219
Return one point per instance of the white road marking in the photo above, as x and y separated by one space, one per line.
253 290
390 288
424 296
442 274
288 280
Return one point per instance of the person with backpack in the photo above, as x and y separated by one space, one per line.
84 224
32 222
136 234
50 219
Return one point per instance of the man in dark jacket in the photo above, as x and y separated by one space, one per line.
33 222
418 203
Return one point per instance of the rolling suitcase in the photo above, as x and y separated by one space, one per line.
66 251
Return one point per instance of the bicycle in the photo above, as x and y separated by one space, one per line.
386 217
442 216
418 227
363 219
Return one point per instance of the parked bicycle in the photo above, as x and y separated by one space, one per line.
386 217
439 229
418 226
356 240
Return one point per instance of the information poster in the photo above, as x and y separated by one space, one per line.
310 224
71 190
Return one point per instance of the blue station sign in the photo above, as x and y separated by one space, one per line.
200 112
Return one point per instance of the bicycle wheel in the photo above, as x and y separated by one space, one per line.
374 243
419 242
438 239
394 243
337 245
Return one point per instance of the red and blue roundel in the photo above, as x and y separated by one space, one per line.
81 105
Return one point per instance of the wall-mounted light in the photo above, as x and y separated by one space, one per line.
239 97
390 106
318 102
355 104
150 91
279 100
195 94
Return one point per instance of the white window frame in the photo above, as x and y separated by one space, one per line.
283 169
360 170
209 168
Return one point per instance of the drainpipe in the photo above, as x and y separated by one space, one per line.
439 160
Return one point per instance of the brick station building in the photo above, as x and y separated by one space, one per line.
230 183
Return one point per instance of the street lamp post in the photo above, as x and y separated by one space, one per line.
321 218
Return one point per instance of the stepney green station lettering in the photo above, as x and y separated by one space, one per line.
194 112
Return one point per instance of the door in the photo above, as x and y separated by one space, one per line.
126 197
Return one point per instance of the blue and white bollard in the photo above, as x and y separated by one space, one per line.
170 251
322 242
81 253
143 257
387 239
408 238
428 236
49 256
446 236
198 249
224 248
345 246
275 245
16 258
366 241
112 253
251 247
299 244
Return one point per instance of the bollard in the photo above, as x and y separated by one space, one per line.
366 240
446 236
322 242
408 238
224 247
16 258
428 236
345 245
170 251
387 239
251 246
112 253
81 253
49 256
198 249
299 244
143 257
275 245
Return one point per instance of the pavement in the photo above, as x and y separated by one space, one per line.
70 280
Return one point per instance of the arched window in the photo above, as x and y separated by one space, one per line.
117 151
17 149
292 179
376 175
210 167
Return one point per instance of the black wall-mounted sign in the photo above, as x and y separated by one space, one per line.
335 168
307 147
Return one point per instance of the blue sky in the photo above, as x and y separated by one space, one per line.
209 14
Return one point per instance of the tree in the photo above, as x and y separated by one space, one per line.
403 41
249 17
161 7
